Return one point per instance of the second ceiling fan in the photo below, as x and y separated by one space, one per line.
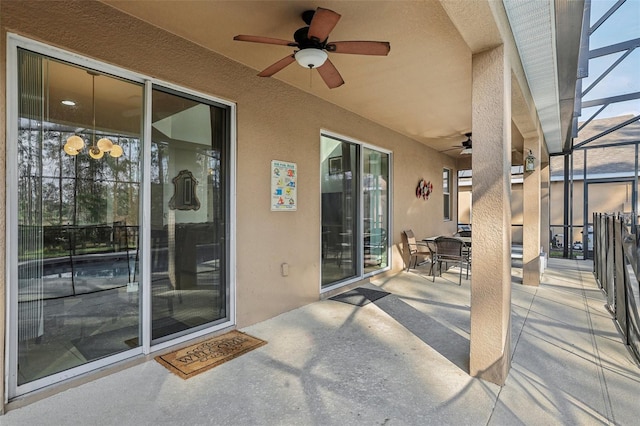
312 42
467 146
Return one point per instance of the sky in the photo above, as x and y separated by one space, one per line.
622 26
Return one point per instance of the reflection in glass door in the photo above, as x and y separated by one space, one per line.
376 219
76 296
339 210
188 214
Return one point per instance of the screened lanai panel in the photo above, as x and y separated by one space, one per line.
614 165
623 24
556 200
608 162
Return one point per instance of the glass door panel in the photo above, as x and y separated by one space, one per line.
375 208
339 210
188 214
77 216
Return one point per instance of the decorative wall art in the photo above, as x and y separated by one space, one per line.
284 180
424 189
335 165
184 192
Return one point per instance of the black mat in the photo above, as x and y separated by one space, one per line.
360 296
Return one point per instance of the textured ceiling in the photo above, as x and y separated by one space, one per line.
422 89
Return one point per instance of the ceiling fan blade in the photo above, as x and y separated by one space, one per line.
380 48
330 75
278 66
324 20
265 40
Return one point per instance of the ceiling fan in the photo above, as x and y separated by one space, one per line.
466 146
312 42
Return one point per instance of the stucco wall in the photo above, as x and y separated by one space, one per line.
464 210
274 121
464 204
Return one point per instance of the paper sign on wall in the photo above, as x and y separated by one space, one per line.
284 179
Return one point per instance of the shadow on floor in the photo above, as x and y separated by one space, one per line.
440 338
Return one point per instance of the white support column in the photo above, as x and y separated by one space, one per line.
531 216
491 165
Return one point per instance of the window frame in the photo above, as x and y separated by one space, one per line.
446 195
360 274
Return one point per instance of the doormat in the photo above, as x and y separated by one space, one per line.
360 296
192 360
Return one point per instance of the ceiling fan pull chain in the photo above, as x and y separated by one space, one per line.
310 77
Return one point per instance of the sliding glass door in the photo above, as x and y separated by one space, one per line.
340 185
116 247
188 213
78 186
355 210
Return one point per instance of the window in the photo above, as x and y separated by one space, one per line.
446 193
355 210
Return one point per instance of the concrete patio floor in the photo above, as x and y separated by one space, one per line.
402 360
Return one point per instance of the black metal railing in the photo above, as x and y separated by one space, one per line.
616 265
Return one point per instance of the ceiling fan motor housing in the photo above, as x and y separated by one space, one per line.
312 52
467 143
307 16
301 36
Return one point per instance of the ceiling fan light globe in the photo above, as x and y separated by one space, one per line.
311 58
105 145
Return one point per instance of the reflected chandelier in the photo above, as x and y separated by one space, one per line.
75 143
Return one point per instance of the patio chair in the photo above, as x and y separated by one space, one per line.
466 249
450 250
416 251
